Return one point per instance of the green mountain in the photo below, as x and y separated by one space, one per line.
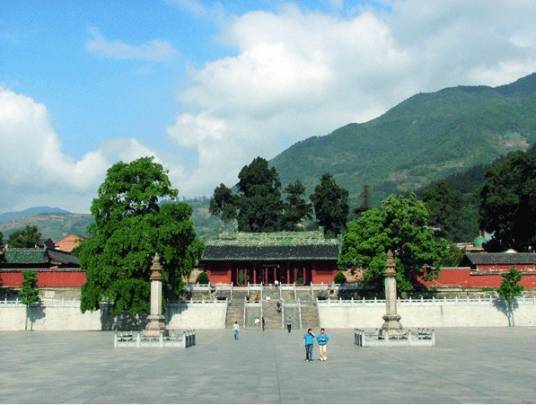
422 139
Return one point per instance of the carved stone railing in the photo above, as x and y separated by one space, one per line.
177 339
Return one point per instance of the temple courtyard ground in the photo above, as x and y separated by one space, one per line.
467 365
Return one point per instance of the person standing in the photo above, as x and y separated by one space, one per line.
289 323
322 340
262 323
236 330
309 339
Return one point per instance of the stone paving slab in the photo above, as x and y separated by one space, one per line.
471 365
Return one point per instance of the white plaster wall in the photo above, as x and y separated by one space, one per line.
183 316
13 317
197 316
436 315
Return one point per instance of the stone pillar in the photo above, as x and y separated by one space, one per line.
392 325
156 323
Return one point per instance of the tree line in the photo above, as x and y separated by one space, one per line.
258 204
498 198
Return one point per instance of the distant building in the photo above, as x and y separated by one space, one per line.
57 272
480 270
288 257
69 242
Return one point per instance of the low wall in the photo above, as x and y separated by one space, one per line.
68 316
197 316
438 314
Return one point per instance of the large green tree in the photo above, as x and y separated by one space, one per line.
296 207
447 208
223 203
330 202
257 204
130 226
508 202
401 225
27 237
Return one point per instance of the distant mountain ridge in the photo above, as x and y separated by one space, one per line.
8 216
424 138
55 223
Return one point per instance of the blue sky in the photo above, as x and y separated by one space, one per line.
206 86
92 98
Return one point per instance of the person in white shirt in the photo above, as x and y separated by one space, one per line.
236 330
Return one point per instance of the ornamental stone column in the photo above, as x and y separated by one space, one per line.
156 323
392 325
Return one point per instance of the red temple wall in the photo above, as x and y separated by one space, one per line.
75 278
219 272
324 272
505 267
465 277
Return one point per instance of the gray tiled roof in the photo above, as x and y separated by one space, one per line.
252 253
23 256
500 258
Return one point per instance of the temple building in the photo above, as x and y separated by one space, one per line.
58 273
69 242
288 257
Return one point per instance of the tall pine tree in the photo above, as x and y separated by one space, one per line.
330 202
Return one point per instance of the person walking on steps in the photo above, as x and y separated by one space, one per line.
236 330
289 323
322 340
309 339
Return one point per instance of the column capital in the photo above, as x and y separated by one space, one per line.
390 265
156 268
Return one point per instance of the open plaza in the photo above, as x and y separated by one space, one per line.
467 365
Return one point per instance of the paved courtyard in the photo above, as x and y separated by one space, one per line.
467 365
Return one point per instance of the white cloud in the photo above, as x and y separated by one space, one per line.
298 73
212 10
34 170
155 50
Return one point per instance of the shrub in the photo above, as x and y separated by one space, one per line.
203 278
340 278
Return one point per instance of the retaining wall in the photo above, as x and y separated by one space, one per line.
69 317
428 314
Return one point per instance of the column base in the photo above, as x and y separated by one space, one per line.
392 325
155 326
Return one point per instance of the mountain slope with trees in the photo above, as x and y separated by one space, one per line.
422 139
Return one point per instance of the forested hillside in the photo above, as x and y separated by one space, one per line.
425 138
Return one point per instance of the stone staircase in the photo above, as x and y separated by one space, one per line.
272 317
304 295
235 309
288 295
253 311
304 307
292 309
309 314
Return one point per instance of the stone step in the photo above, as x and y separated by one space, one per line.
272 317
